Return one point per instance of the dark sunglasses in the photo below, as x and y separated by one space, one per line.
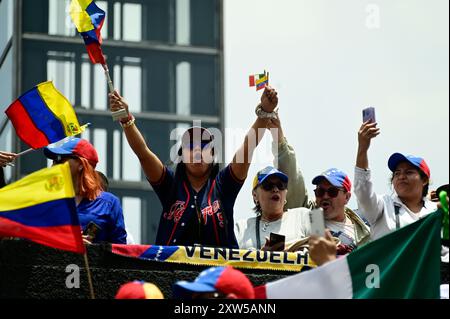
192 145
268 186
332 191
61 160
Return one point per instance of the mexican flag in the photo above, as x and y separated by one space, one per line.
402 264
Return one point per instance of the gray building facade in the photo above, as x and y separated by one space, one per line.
165 57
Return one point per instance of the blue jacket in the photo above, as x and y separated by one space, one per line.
106 212
211 208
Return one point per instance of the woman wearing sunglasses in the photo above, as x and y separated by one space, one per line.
99 212
270 187
197 198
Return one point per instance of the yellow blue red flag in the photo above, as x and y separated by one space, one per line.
260 81
88 18
41 207
43 115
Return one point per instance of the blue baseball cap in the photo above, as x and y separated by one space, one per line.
418 162
263 174
72 146
335 177
226 280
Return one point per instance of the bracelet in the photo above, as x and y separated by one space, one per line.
266 115
129 123
127 119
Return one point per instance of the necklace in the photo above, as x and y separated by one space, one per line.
265 224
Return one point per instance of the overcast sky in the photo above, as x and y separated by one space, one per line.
329 60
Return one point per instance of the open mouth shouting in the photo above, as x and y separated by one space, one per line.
325 204
275 198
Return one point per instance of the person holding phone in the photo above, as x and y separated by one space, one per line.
410 180
409 200
269 191
197 197
99 212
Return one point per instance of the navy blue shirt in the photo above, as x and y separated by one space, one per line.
204 218
107 213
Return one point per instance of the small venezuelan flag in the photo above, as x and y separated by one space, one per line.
259 80
41 207
88 18
43 116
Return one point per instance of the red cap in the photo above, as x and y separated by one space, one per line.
139 290
72 146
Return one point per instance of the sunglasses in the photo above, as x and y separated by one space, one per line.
192 145
332 191
268 186
62 160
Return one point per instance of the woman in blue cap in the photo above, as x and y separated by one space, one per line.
269 190
410 180
197 197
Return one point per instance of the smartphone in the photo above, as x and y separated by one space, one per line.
369 114
317 222
91 230
277 242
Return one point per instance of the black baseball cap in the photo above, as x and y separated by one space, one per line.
196 133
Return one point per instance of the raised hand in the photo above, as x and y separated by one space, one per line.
322 249
275 123
366 133
6 157
117 102
269 99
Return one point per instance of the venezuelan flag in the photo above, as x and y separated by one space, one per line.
43 116
263 81
88 18
259 80
41 208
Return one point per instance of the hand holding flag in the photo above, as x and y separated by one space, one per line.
259 80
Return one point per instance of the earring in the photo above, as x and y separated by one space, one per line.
285 201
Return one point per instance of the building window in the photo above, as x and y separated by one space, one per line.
6 23
183 22
61 70
131 207
183 88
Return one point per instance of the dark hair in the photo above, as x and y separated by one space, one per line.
423 176
257 209
2 178
104 181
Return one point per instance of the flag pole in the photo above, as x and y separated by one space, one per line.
20 154
88 271
25 152
108 78
117 115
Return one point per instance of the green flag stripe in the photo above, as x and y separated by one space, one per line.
407 261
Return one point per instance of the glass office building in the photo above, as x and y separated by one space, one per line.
165 57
